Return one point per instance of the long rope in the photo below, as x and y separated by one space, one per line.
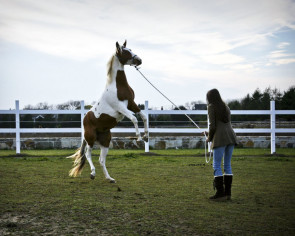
206 159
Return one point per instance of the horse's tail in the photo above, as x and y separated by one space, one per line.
79 160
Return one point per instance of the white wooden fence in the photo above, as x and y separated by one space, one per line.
272 130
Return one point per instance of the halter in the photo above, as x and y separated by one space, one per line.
133 60
123 61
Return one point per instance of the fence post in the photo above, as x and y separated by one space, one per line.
146 110
272 127
82 117
17 127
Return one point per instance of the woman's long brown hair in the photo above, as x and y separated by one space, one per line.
213 97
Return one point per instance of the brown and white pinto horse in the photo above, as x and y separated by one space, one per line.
116 102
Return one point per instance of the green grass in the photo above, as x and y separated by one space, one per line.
173 152
164 193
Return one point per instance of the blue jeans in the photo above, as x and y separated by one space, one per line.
224 152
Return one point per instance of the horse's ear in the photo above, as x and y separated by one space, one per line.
119 50
125 43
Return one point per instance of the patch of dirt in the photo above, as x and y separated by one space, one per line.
11 223
19 224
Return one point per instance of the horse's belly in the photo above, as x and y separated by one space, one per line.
106 116
105 108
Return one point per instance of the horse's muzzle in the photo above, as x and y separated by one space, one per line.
137 61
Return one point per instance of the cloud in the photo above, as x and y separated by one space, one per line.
242 67
223 59
283 45
279 54
281 57
283 61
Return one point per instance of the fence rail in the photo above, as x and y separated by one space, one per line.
272 130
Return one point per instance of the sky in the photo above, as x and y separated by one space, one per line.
56 51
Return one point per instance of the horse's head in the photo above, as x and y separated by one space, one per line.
126 56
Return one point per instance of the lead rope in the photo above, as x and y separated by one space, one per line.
206 159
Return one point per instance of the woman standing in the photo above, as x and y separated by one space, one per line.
223 139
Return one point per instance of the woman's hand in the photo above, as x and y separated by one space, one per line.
205 133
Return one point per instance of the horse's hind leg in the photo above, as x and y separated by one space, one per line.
90 137
89 159
102 161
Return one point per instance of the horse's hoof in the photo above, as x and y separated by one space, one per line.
112 181
146 139
92 176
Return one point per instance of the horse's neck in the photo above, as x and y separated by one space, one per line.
115 67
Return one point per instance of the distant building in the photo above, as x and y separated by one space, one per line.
200 107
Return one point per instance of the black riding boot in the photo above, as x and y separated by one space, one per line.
218 185
228 179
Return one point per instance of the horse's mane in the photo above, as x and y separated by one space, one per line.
109 68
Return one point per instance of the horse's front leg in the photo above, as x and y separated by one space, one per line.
102 161
130 116
146 132
89 159
135 122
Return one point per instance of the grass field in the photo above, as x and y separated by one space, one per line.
163 193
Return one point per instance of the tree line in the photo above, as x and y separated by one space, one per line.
261 101
258 100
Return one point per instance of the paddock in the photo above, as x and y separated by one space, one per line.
164 192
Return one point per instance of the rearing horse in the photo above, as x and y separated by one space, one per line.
116 102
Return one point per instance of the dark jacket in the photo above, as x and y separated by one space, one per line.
220 133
